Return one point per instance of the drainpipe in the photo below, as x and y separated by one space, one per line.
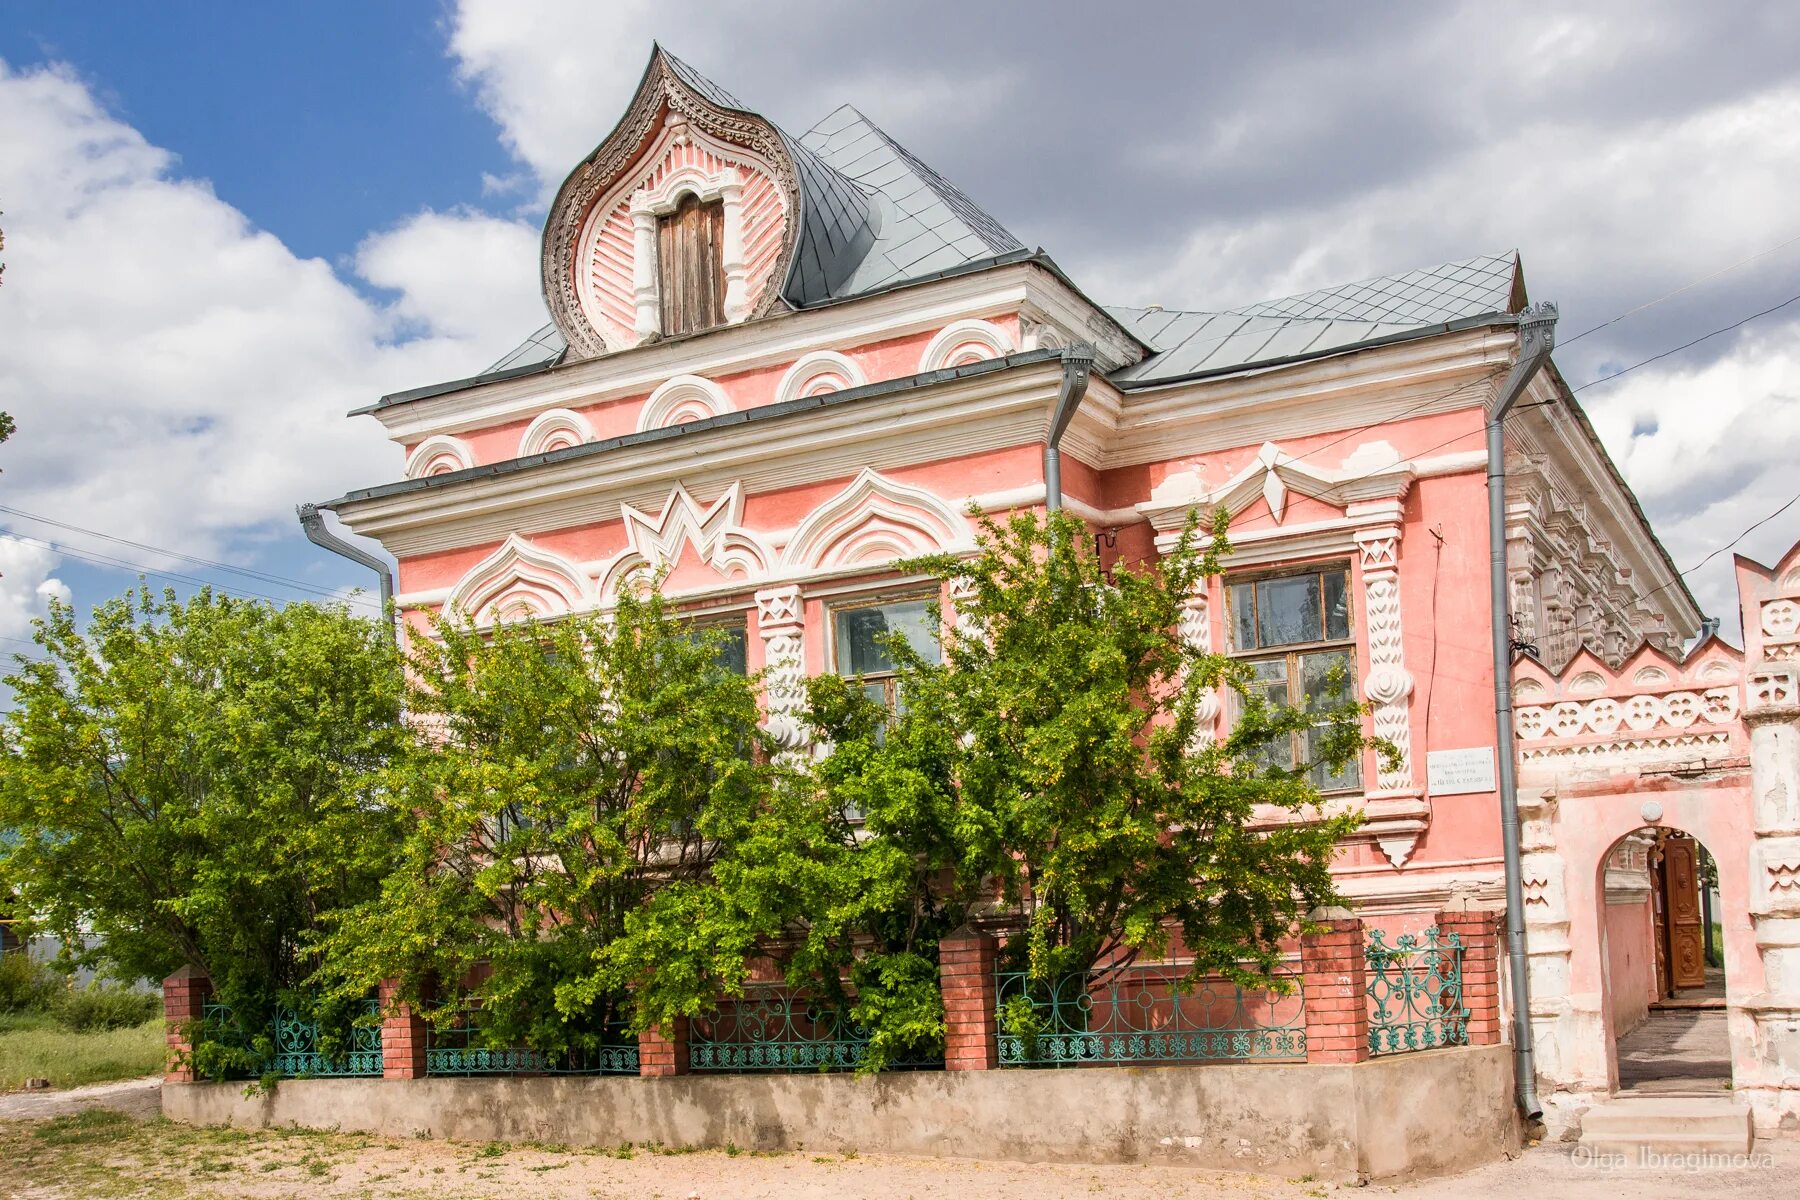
1078 364
1537 335
313 522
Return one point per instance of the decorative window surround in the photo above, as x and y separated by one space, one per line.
519 581
557 429
1370 487
964 342
819 372
725 186
1196 632
781 623
683 398
439 456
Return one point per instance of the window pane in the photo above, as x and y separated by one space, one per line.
1337 605
1271 684
1327 678
731 652
1288 610
1243 616
859 631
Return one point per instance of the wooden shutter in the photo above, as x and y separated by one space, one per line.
689 247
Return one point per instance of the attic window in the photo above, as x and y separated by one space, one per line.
690 246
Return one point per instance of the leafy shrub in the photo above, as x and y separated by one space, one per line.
27 985
100 1006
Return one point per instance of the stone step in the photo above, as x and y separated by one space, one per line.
1628 1125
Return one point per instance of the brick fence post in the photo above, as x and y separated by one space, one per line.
966 975
404 1036
1476 928
1334 982
185 994
660 1057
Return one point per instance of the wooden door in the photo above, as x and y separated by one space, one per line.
1681 888
1659 915
690 247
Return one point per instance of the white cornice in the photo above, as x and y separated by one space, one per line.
1383 384
772 341
1548 431
919 425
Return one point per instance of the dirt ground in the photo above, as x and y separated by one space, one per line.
106 1141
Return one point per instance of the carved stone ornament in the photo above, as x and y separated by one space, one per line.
661 91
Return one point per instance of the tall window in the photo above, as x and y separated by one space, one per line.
690 247
1294 629
858 631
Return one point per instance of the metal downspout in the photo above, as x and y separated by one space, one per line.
313 522
1078 364
1537 335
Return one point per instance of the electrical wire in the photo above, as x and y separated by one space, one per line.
1686 287
1685 345
249 572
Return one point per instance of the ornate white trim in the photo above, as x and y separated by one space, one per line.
781 623
681 399
519 581
819 372
964 342
874 520
556 429
1388 684
1374 472
1196 632
715 531
439 455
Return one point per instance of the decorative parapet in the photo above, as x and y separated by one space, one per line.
1769 600
1651 709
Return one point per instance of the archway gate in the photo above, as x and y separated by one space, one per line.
1707 746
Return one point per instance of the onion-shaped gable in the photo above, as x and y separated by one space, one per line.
793 228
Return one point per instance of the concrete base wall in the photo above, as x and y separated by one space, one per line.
1427 1113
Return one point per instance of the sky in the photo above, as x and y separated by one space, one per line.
227 224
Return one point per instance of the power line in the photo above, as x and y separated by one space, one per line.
249 572
1686 287
1685 345
108 561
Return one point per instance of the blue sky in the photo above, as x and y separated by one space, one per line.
323 120
229 224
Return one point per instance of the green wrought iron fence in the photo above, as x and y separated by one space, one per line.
1415 992
299 1051
457 1050
1145 1013
778 1029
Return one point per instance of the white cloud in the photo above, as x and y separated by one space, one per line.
1710 451
181 377
26 585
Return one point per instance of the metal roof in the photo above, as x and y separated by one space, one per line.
927 224
1326 321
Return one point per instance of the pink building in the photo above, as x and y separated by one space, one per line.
779 364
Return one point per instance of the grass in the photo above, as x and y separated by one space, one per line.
34 1046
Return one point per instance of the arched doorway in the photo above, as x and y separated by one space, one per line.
1662 965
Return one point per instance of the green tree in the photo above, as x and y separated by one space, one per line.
573 781
188 784
1047 773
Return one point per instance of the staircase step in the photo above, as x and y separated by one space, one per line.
1667 1125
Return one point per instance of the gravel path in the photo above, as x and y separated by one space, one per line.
139 1097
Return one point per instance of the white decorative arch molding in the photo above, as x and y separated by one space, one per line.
557 429
715 531
874 520
681 399
964 342
519 581
439 455
818 373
